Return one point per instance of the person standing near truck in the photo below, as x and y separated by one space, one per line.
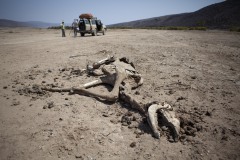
75 27
63 29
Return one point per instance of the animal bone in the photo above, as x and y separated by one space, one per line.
121 74
172 122
109 59
111 96
169 116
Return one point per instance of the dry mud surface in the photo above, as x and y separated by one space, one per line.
197 72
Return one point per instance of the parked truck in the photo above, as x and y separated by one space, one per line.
88 24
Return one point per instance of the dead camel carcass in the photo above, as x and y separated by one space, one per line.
123 77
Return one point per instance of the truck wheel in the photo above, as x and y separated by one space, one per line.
94 33
103 32
82 34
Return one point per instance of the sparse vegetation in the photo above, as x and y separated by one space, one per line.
10 32
235 29
59 27
165 28
201 23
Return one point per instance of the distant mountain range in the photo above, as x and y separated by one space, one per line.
220 15
34 24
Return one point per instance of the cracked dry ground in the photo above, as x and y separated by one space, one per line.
197 72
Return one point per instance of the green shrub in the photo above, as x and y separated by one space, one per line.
235 29
59 27
164 28
201 23
198 28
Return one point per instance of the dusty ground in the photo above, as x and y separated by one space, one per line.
197 72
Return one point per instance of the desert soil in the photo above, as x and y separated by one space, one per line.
197 72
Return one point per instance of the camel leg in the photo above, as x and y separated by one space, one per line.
111 96
102 80
57 89
109 59
136 104
110 79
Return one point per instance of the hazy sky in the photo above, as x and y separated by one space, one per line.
110 11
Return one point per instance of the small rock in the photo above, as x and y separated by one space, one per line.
193 77
126 119
78 156
5 87
208 113
223 131
132 125
183 138
171 140
50 105
105 115
182 131
43 81
187 132
137 93
170 92
15 103
133 144
114 121
189 139
129 114
194 130
199 127
224 138
138 132
238 83
60 119
66 98
119 114
180 98
134 118
164 128
184 143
